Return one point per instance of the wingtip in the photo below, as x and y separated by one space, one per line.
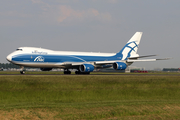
164 59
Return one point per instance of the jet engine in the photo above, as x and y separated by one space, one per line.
45 69
119 66
86 68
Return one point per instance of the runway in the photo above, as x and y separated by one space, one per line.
129 74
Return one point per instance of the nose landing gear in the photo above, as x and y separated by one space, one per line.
22 71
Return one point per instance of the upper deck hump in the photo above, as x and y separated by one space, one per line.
53 52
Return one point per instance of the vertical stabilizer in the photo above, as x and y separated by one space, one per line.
131 47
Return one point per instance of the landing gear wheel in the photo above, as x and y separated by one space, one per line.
22 72
67 72
77 72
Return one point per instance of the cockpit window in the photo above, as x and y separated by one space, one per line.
18 49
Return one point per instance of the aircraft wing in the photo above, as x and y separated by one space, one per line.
141 56
103 63
130 60
106 62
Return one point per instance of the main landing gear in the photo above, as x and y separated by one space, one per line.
67 71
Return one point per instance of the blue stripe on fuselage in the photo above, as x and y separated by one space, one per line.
60 58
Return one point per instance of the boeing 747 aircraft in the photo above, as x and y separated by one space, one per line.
83 62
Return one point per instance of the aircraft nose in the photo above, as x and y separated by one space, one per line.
9 58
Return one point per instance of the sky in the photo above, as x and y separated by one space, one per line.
92 26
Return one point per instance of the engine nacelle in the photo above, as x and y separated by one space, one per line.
119 66
45 69
86 68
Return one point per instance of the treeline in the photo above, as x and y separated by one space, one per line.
8 65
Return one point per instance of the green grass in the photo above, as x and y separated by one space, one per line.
91 97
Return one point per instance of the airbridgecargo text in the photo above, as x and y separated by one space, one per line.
36 52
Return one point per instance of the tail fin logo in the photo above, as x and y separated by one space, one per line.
130 49
133 46
39 59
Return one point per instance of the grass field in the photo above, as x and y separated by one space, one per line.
90 97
